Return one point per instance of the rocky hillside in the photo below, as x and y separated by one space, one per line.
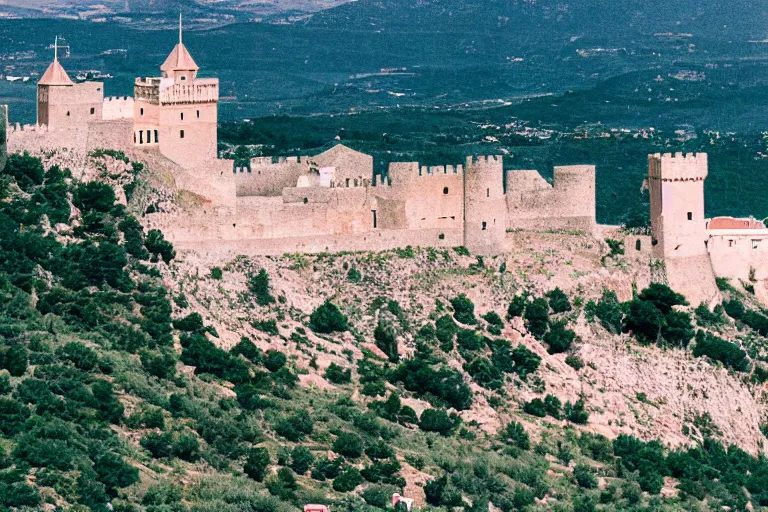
556 377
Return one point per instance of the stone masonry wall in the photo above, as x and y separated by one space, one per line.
268 176
569 203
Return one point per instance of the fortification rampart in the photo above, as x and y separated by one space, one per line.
268 176
485 215
117 108
678 166
569 203
420 197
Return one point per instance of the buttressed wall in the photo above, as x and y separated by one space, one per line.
569 203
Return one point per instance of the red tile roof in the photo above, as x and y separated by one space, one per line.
732 223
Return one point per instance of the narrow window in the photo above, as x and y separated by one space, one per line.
181 134
731 243
445 191
157 139
134 137
183 78
755 244
67 113
198 114
485 225
375 220
347 182
355 182
141 136
441 236
149 137
182 116
141 112
93 110
638 245
690 215
487 192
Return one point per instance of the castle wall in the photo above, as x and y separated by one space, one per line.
569 203
268 176
117 108
422 197
66 107
228 236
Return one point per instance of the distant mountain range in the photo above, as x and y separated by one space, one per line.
540 19
550 18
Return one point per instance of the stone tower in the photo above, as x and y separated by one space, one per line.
678 225
485 207
63 104
178 112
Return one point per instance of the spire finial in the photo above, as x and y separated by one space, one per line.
180 42
56 49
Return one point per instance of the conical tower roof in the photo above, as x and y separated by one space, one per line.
55 74
179 60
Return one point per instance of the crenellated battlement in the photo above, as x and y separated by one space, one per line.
485 160
266 161
678 166
17 128
441 170
198 91
117 107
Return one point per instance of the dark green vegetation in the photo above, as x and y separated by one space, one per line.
92 396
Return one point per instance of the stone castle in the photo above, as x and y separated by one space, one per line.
333 202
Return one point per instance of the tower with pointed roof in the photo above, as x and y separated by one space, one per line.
177 112
61 103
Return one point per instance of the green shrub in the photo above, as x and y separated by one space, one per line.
663 297
349 445
596 446
15 359
274 360
158 247
296 427
559 339
644 320
515 434
378 495
159 445
347 480
379 450
537 317
574 362
386 340
217 273
558 301
576 412
608 311
469 340
678 330
338 375
327 319
436 420
326 469
584 476
257 463
266 326
445 332
463 310
258 285
301 460
536 408
616 246
552 405
734 308
77 353
354 275
707 318
730 354
93 196
493 319
517 307
191 323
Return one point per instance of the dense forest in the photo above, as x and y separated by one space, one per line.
113 396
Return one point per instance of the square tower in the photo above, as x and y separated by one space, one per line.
178 112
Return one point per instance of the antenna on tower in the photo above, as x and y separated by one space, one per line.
180 27
56 49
